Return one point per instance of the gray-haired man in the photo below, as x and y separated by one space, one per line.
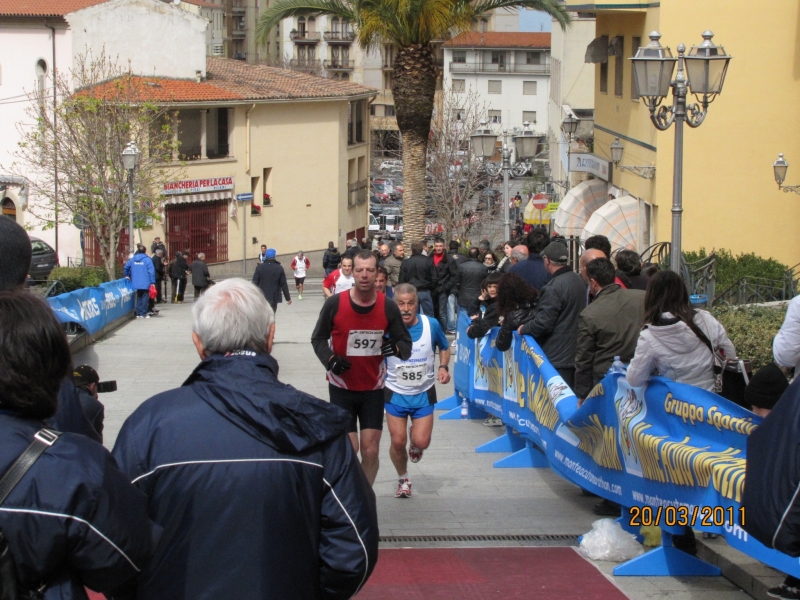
235 464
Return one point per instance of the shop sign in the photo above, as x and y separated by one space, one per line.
589 163
196 186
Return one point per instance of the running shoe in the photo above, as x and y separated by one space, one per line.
784 592
414 453
300 296
403 489
454 344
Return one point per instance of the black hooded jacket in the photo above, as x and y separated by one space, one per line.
256 485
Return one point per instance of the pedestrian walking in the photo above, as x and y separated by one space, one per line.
262 255
300 264
331 259
73 520
339 280
141 273
178 272
158 245
271 280
251 481
349 340
201 278
418 270
410 386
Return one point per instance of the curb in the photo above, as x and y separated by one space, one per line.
752 576
80 341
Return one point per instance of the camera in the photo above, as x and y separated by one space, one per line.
106 386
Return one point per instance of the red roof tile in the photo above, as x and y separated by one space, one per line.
499 39
43 8
229 79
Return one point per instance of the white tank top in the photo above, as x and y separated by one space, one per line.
343 283
299 266
415 375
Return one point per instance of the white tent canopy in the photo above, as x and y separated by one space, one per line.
618 220
578 205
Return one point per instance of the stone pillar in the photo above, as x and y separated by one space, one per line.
173 117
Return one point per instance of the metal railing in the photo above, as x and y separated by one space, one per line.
701 276
750 290
305 64
457 67
339 36
339 65
305 36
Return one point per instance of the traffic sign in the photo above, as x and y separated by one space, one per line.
540 201
553 207
244 197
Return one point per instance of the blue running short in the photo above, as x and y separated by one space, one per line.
405 411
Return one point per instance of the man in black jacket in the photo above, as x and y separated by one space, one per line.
158 265
467 282
271 280
417 270
201 278
255 483
454 258
331 259
561 300
441 274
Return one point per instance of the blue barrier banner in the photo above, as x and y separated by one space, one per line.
94 308
672 453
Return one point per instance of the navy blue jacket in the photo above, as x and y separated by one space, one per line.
772 476
532 271
256 485
74 519
69 417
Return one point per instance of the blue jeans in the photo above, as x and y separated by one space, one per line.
142 302
330 270
452 312
425 303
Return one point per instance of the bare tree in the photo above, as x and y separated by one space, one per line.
74 146
455 178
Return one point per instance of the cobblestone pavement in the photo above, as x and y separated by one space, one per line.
456 492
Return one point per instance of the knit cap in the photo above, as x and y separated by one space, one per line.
766 387
271 252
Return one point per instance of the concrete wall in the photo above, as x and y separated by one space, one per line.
157 38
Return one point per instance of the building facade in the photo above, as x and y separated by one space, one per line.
508 71
730 197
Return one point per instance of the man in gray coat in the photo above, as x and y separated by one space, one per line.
608 327
561 300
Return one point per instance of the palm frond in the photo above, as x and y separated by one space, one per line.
296 8
554 8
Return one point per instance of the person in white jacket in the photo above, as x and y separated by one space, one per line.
669 344
786 345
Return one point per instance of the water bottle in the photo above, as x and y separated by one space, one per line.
464 409
617 366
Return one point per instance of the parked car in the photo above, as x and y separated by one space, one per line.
393 166
44 260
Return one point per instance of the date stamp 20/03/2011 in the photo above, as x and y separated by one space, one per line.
697 516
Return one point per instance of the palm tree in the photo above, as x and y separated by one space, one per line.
411 25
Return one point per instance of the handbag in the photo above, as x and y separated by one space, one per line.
731 374
10 586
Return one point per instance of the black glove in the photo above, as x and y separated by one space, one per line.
388 349
339 364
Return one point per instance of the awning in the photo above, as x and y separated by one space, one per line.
578 205
618 220
206 197
597 51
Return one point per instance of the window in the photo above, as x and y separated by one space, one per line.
355 122
604 69
484 25
459 114
388 110
495 116
301 26
459 56
529 116
635 43
495 86
618 62
372 110
458 85
41 75
533 58
529 88
499 59
335 25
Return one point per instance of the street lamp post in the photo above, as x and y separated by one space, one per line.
130 159
569 126
701 72
780 167
526 145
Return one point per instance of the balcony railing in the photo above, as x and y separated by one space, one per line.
456 67
357 192
305 64
344 37
310 37
340 65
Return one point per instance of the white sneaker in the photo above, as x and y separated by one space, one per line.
403 489
454 344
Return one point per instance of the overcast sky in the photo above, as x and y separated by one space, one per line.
533 20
